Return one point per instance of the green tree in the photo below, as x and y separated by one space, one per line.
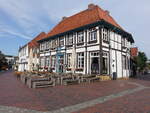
3 61
141 61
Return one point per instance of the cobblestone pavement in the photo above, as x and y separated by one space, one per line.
86 98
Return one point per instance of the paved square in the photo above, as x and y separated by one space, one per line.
111 96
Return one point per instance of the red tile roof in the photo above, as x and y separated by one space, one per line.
134 51
82 18
34 43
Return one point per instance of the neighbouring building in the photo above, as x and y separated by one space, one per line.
23 64
89 42
34 52
133 63
29 55
134 52
11 60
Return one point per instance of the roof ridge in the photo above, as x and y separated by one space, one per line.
107 16
69 18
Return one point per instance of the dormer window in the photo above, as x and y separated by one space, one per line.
92 34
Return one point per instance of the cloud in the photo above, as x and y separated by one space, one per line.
27 18
11 33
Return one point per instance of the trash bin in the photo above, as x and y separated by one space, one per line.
114 76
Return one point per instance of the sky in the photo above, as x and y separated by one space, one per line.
23 20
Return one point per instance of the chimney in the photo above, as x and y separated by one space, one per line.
91 6
64 17
107 12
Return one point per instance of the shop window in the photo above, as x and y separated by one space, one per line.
105 63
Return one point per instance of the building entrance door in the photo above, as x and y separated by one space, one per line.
60 64
95 65
94 57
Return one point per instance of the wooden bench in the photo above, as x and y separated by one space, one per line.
42 84
65 78
35 82
87 78
70 82
94 79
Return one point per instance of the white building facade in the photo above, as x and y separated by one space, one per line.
23 64
95 50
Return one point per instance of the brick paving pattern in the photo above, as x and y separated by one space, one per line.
14 93
135 103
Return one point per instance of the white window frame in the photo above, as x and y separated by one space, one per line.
43 46
70 39
105 34
80 37
47 61
93 34
95 54
47 45
69 56
106 57
61 42
54 43
42 62
123 42
124 62
80 60
53 61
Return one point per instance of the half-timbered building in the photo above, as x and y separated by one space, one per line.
33 61
89 42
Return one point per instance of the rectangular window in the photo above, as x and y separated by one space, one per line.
123 42
61 42
80 38
105 63
124 62
94 54
70 39
40 46
34 50
43 46
105 34
54 44
42 62
47 62
53 62
93 34
69 56
50 44
47 45
80 60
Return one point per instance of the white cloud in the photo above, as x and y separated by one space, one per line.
27 18
15 34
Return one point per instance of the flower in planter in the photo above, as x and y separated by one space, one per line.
45 67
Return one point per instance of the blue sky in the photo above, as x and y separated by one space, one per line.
22 20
